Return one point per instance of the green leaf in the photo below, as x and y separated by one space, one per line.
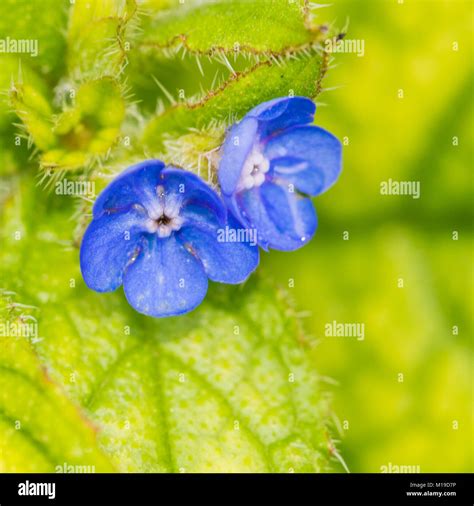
22 90
229 387
34 110
41 428
96 37
236 97
15 70
262 26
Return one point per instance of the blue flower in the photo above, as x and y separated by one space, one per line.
271 162
155 230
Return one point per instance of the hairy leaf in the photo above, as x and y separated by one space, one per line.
262 26
230 387
96 37
237 96
41 428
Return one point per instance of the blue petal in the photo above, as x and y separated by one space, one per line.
199 202
109 244
199 214
282 113
228 254
284 220
309 157
234 156
165 279
261 122
136 185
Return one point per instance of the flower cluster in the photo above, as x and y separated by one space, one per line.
162 232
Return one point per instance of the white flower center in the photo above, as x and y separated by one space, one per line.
164 218
253 171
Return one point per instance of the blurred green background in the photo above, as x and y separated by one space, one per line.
408 330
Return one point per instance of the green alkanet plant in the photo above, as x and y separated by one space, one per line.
157 230
231 386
